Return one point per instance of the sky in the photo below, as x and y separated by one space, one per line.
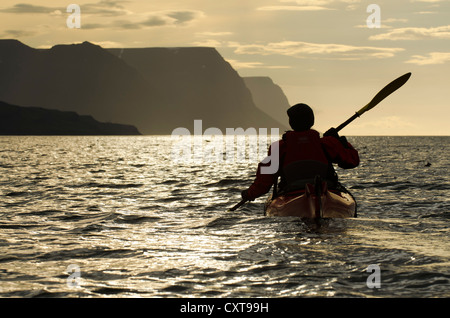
333 55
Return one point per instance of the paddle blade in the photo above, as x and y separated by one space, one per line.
385 92
238 205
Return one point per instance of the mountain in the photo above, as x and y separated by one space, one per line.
197 83
16 120
154 89
83 78
268 97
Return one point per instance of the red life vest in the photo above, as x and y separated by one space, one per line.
302 158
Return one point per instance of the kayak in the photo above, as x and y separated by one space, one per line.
314 202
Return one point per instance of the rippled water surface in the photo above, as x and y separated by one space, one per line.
132 222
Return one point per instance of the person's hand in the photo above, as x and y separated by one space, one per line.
331 132
245 196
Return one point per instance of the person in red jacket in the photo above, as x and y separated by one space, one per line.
303 155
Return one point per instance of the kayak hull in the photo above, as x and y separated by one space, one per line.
313 203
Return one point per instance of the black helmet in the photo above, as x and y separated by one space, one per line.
301 117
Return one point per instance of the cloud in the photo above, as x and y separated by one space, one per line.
292 8
208 43
315 50
402 20
17 33
103 8
309 5
429 1
56 13
181 17
426 12
208 38
29 8
384 23
113 8
154 19
319 2
252 65
432 58
213 33
441 32
308 2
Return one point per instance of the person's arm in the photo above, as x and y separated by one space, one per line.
339 150
263 182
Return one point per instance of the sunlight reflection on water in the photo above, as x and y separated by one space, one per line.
137 224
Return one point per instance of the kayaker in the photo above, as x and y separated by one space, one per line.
303 155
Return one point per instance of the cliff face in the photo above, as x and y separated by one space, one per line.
16 120
268 97
155 89
196 83
83 78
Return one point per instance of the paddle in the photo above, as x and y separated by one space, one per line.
238 205
385 92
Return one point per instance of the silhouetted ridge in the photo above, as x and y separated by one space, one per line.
16 120
85 49
268 96
11 44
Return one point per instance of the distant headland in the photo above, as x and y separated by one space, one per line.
16 120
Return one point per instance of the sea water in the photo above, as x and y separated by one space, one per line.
118 217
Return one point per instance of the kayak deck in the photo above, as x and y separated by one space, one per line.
313 203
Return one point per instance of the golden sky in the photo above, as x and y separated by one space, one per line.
324 53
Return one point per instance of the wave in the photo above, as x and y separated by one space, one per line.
400 185
136 219
107 185
226 182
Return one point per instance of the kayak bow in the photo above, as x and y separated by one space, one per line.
314 202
